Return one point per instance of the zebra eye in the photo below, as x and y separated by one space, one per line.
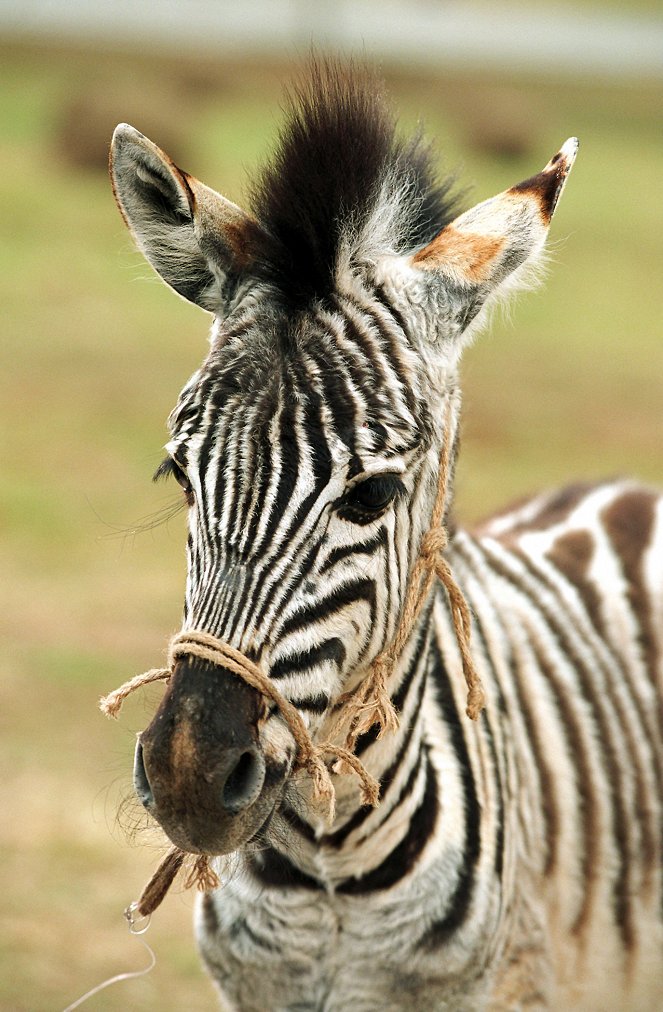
373 495
169 467
180 477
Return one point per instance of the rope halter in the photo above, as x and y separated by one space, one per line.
368 704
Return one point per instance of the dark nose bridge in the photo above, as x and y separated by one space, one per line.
199 761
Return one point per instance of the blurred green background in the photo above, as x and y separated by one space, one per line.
93 353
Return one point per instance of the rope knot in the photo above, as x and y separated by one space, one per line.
432 544
368 704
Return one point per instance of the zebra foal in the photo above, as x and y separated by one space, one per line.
513 862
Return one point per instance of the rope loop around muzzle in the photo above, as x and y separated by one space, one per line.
309 756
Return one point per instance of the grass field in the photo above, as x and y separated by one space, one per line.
92 357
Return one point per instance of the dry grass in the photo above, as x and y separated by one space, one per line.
92 359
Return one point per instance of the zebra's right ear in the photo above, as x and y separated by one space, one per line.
196 240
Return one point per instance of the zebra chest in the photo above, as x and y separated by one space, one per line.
312 952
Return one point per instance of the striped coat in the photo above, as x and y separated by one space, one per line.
544 888
514 862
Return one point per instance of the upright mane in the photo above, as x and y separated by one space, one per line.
342 187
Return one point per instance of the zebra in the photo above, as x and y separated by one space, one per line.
513 862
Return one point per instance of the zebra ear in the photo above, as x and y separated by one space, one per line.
486 245
199 242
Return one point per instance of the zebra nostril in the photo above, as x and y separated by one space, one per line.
244 782
141 783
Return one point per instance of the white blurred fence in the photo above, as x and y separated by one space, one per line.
519 35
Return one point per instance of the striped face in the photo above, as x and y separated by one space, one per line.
307 447
308 473
309 487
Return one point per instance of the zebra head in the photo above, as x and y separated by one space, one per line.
307 445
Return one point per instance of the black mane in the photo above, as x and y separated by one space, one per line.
336 153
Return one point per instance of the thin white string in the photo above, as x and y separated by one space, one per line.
135 928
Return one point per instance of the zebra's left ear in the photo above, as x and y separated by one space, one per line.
487 245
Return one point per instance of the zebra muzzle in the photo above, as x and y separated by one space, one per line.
200 769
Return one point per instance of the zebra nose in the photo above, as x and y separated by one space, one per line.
200 770
241 779
237 779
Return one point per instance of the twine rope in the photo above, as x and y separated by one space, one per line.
368 704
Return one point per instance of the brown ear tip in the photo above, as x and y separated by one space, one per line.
566 154
561 163
548 184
